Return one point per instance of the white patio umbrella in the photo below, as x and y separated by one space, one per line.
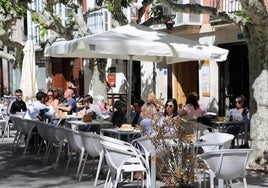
137 42
28 82
140 42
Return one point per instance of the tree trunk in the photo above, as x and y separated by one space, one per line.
98 84
258 78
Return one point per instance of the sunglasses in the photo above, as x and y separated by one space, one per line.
18 95
170 106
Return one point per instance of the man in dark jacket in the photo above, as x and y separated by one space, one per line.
17 105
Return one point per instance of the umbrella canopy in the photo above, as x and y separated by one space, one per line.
143 43
136 42
28 82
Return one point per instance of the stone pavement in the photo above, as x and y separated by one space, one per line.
28 171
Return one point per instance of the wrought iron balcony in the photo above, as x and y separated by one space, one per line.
230 6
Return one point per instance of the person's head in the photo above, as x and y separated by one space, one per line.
171 107
193 99
87 100
239 101
18 94
50 94
151 97
137 105
149 110
68 94
41 96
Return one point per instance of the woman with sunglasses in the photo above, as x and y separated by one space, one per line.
240 112
51 100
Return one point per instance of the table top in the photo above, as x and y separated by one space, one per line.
228 122
66 117
94 122
118 131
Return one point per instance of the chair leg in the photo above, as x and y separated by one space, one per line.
6 130
83 167
68 162
26 144
39 148
48 149
245 182
80 163
58 155
220 183
99 167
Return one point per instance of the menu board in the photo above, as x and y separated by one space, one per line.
206 79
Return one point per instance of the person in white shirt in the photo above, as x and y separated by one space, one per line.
38 110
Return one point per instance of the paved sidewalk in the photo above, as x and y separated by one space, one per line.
28 171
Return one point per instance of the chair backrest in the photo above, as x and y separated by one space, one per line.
74 139
92 143
224 138
115 140
144 144
28 125
58 134
19 123
117 155
227 164
43 129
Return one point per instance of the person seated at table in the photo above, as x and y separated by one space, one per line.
18 104
89 107
51 100
119 116
103 106
68 104
135 115
93 110
239 113
192 109
38 111
149 115
170 112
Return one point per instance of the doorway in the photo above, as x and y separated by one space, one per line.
233 77
185 80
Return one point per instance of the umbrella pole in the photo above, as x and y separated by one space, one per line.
129 69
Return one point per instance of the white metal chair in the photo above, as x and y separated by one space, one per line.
76 145
227 164
6 128
145 146
45 131
93 148
123 143
58 137
28 126
117 157
224 138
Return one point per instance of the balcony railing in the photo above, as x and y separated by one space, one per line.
230 6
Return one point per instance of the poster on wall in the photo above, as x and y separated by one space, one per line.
112 76
206 79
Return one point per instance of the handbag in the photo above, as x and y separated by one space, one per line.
88 117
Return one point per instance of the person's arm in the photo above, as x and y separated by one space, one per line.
182 112
10 109
24 107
